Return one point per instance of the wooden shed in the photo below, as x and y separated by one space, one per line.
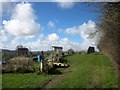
90 50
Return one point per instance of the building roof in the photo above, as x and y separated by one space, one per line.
57 47
22 49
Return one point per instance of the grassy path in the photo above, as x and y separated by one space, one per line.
55 79
87 71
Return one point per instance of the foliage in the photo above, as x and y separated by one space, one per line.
7 57
19 64
70 51
109 43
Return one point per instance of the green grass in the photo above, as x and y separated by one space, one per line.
85 71
0 81
28 80
89 71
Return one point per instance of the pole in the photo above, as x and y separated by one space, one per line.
41 66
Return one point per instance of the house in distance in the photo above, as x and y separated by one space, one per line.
22 50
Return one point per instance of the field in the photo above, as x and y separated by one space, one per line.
85 71
89 71
28 80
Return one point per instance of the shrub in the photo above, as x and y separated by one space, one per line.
19 64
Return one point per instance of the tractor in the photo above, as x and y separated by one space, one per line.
55 60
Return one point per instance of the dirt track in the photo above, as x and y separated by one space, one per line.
51 82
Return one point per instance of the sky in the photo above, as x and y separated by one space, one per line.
41 25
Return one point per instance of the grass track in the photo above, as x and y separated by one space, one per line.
89 71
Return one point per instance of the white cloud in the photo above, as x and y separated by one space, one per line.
4 35
63 42
14 42
85 31
51 24
65 4
67 44
72 31
44 43
8 0
53 37
23 25
22 22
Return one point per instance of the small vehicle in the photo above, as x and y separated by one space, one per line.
56 59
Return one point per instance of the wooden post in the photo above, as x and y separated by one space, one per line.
41 66
41 62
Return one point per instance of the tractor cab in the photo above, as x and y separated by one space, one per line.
57 54
57 57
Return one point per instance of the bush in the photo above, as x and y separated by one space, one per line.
109 43
19 64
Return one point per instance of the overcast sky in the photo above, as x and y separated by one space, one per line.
39 25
